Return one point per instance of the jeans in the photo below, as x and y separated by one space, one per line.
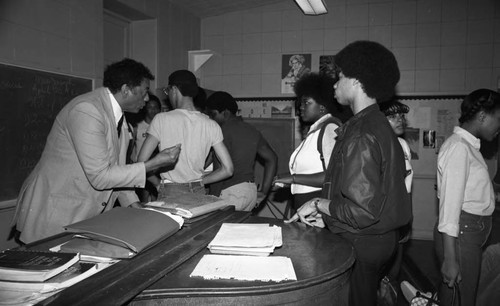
373 254
174 189
488 292
474 231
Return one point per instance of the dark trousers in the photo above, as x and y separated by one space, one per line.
373 254
474 231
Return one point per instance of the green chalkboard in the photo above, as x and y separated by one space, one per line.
30 100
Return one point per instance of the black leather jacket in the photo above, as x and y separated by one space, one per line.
365 177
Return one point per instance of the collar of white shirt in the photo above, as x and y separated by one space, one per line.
117 110
473 140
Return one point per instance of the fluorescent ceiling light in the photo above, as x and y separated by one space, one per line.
312 7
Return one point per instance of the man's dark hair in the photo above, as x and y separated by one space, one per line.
221 100
318 87
127 71
185 81
371 64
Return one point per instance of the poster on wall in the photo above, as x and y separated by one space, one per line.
293 67
327 65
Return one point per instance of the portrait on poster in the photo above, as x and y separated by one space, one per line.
294 66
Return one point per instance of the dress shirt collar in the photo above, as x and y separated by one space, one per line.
117 110
473 140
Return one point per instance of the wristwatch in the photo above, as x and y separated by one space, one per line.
316 202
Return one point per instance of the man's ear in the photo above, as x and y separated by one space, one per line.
481 116
125 90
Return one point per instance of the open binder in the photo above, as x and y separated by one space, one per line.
120 232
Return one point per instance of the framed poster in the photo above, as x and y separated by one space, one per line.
293 67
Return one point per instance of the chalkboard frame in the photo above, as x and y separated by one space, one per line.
30 98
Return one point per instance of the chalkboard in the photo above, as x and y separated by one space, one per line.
30 100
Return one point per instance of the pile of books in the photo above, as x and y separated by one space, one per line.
241 252
29 276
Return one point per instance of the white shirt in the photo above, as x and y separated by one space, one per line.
305 159
117 110
463 181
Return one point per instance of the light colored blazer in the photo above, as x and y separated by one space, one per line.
81 171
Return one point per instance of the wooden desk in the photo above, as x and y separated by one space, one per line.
160 276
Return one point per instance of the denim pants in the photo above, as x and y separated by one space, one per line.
474 231
174 189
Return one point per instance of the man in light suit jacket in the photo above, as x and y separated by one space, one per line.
82 169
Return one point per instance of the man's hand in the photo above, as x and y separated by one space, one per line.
168 156
450 271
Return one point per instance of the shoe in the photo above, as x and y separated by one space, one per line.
409 292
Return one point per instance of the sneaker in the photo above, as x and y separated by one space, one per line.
409 292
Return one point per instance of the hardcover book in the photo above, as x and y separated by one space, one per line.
33 266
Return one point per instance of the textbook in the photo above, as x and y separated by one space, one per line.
32 265
130 229
27 293
189 205
72 275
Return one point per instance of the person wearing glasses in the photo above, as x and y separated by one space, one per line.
196 133
83 170
364 197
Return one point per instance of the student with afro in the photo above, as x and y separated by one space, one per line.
364 197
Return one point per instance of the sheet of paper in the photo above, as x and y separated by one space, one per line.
249 268
248 235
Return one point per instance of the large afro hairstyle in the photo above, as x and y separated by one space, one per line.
371 64
318 87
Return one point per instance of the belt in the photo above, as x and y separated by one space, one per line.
188 184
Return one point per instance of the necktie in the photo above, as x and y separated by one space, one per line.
119 127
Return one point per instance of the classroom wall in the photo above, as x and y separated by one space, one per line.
442 46
66 36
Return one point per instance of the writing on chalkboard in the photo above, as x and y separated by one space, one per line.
30 100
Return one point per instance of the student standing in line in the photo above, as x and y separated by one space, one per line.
84 160
466 196
307 165
245 144
197 134
364 196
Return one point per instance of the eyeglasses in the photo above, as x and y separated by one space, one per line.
395 117
167 89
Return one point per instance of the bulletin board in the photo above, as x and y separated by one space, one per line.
430 121
30 100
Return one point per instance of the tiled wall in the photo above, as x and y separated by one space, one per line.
54 35
442 46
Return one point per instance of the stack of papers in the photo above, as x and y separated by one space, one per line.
246 239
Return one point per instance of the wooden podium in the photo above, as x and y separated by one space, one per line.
160 275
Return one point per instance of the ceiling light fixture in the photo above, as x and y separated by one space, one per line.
312 7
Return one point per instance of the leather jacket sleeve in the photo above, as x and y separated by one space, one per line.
361 200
